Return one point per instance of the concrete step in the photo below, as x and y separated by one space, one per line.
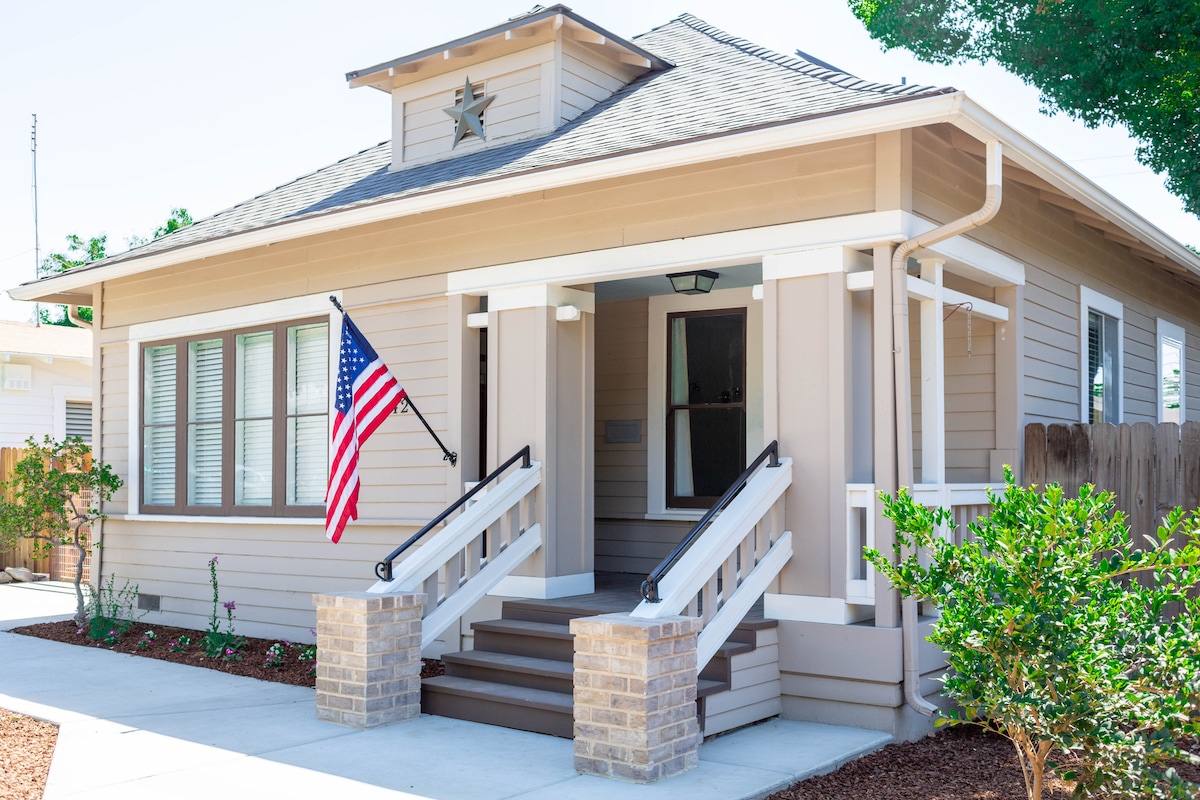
523 638
515 670
500 704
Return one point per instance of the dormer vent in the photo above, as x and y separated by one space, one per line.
467 112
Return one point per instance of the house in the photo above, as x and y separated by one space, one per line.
45 390
45 382
508 255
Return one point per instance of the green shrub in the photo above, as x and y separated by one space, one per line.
1062 635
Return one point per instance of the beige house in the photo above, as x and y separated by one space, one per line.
510 261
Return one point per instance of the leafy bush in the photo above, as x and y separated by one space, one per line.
111 612
42 502
1062 635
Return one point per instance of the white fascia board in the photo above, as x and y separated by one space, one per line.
713 250
868 121
977 121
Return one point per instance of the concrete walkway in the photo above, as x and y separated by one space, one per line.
140 728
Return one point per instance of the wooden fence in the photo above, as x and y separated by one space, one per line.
1151 468
60 564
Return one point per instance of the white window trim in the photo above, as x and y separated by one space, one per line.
656 427
1169 330
208 322
1089 299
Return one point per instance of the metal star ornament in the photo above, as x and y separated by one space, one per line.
466 114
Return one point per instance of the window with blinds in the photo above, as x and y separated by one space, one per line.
242 428
79 420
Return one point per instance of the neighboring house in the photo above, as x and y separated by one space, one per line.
516 283
45 382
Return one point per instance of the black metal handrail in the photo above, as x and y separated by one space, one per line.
650 585
383 570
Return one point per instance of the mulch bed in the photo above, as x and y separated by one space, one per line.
958 763
251 665
26 747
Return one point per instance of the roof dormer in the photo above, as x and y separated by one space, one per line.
520 79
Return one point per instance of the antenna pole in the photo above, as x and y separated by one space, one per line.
37 245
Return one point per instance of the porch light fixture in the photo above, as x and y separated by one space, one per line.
698 282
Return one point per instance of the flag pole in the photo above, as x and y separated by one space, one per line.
447 455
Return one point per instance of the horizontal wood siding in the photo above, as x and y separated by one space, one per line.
269 571
627 545
429 130
1060 254
114 423
588 78
621 394
805 183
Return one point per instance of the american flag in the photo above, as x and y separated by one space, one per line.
366 393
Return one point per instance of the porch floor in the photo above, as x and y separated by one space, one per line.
146 732
621 591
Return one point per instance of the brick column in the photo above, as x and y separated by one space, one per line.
635 696
368 658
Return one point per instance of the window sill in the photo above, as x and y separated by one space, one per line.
678 515
307 521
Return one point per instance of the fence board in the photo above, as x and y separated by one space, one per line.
1167 486
1035 454
1080 467
1189 464
1141 478
22 554
1105 460
1058 454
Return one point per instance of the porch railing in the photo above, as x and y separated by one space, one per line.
966 501
728 559
472 553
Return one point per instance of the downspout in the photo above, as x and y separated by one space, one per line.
904 468
73 315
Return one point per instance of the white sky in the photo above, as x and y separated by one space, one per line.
143 106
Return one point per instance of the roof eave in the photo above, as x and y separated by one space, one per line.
954 108
366 75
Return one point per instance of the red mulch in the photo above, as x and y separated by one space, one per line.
26 747
958 763
253 656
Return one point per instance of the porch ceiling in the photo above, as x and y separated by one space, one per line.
738 277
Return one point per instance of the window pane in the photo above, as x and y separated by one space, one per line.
1102 367
158 436
204 470
307 438
308 369
1172 363
709 445
158 458
252 463
707 359
204 381
254 374
159 385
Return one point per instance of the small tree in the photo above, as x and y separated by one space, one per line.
1058 633
43 501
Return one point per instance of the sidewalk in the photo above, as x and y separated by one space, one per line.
140 728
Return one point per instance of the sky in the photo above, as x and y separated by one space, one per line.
147 106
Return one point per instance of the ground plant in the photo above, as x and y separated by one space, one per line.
53 497
221 641
1063 634
111 612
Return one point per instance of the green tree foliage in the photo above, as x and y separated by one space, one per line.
82 251
1062 635
1135 62
43 501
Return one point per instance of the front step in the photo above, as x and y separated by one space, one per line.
520 673
500 704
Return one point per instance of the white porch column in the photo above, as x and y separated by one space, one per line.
540 393
933 377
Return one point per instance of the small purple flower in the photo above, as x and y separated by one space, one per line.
230 606
212 560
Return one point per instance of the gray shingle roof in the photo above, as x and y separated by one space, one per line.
720 84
